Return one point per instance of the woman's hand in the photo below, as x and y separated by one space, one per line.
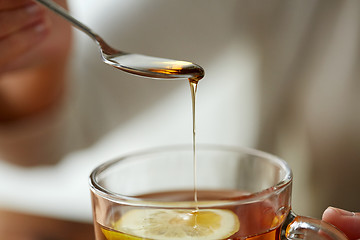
24 25
34 47
348 222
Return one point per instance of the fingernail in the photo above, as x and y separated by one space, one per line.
40 27
32 9
342 211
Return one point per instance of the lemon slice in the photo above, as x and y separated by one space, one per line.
111 235
175 224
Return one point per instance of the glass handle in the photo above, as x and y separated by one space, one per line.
299 227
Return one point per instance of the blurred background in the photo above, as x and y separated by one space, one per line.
280 76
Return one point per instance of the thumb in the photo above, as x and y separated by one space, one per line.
348 222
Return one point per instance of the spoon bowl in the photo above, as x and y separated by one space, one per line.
138 64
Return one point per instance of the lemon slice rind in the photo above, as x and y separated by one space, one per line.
111 235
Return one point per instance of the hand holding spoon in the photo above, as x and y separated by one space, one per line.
137 64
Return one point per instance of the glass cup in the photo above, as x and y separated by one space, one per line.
240 193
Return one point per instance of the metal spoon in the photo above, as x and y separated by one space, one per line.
138 64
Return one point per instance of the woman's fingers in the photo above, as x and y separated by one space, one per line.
19 42
11 4
16 19
348 222
23 25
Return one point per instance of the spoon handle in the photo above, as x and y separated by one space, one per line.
105 48
61 11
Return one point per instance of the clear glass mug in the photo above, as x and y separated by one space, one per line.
241 194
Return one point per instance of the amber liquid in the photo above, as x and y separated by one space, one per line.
193 87
257 220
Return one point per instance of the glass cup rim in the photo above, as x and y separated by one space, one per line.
99 190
